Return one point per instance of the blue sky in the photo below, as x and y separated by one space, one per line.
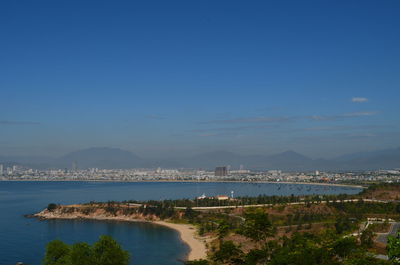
173 78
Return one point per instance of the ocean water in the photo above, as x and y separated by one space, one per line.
24 239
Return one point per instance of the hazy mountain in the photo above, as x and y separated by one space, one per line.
212 159
288 160
28 161
368 154
100 157
108 158
293 161
381 159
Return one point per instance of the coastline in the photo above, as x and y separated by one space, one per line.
187 233
192 181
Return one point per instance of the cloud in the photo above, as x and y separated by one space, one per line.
342 116
208 134
219 134
4 122
360 114
251 120
154 117
347 127
361 136
227 129
359 99
262 123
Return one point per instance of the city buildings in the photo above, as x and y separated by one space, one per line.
194 175
221 171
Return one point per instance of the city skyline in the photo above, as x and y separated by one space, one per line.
180 78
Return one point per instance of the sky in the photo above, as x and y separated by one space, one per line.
176 78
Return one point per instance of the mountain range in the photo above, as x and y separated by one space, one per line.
108 158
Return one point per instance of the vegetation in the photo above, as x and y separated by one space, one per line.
257 226
326 247
106 251
51 207
280 230
393 248
197 262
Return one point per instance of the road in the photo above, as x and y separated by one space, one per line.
382 238
270 204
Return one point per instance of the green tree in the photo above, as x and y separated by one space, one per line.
343 224
257 226
82 253
223 229
189 213
51 207
108 252
228 253
367 238
57 253
105 251
197 262
256 256
345 246
393 248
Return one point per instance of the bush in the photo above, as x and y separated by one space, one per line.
51 207
106 251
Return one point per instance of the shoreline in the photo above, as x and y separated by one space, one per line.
187 233
193 181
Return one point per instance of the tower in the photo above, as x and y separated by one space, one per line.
74 166
221 171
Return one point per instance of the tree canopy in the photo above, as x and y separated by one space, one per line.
106 251
393 248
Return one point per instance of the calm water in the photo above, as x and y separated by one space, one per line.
23 239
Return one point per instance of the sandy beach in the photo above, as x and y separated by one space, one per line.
187 232
189 235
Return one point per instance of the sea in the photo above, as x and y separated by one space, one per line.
23 239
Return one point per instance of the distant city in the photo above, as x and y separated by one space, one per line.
221 173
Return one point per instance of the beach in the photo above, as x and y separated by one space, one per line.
189 235
187 232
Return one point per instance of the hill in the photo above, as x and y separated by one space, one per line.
100 157
109 158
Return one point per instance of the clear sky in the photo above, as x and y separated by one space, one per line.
172 78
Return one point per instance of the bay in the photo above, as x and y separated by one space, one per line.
24 239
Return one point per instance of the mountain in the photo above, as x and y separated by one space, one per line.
368 154
381 159
100 157
288 160
109 158
28 161
211 160
293 161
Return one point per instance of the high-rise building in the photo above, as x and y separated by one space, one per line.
221 171
74 166
1 169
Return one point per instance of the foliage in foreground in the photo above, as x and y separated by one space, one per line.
327 247
393 248
301 249
106 251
